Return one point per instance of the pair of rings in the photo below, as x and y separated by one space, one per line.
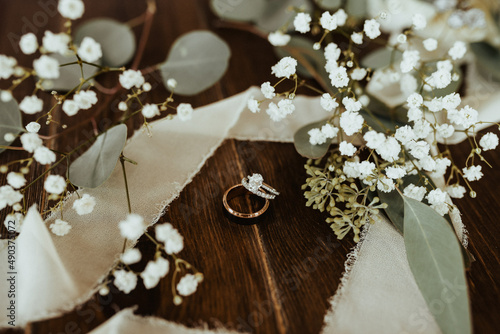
255 185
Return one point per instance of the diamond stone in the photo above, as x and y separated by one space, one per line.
255 181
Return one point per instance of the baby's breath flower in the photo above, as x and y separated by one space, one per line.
445 130
171 83
372 28
31 105
395 172
30 141
154 271
422 128
358 74
46 67
316 137
415 192
332 52
473 173
44 156
430 44
419 149
85 99
187 285
351 104
132 227
347 149
125 281
410 60
131 256
71 9
28 43
351 122
458 50
16 180
389 150
302 22
329 131
55 184
173 240
150 110
70 107
385 184
9 196
267 90
455 191
33 127
60 227
405 134
57 43
419 21
489 141
253 105
285 68
89 50
122 106
278 38
328 21
5 96
466 116
184 111
339 77
357 38
374 139
6 66
328 102
131 78
84 205
146 87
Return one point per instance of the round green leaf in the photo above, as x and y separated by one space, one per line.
358 8
329 4
197 60
380 58
304 147
95 166
10 121
435 259
117 40
488 59
238 10
69 76
277 13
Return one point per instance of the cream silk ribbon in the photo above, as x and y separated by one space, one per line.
55 274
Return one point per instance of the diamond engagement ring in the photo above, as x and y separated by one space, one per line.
255 184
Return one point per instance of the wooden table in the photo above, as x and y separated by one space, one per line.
274 277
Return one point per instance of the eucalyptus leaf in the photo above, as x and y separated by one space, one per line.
383 118
238 10
304 147
117 39
277 13
357 8
69 75
197 60
435 259
93 167
488 59
10 121
329 4
381 58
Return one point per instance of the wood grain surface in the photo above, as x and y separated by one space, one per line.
273 277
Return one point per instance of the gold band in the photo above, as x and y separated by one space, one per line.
237 191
